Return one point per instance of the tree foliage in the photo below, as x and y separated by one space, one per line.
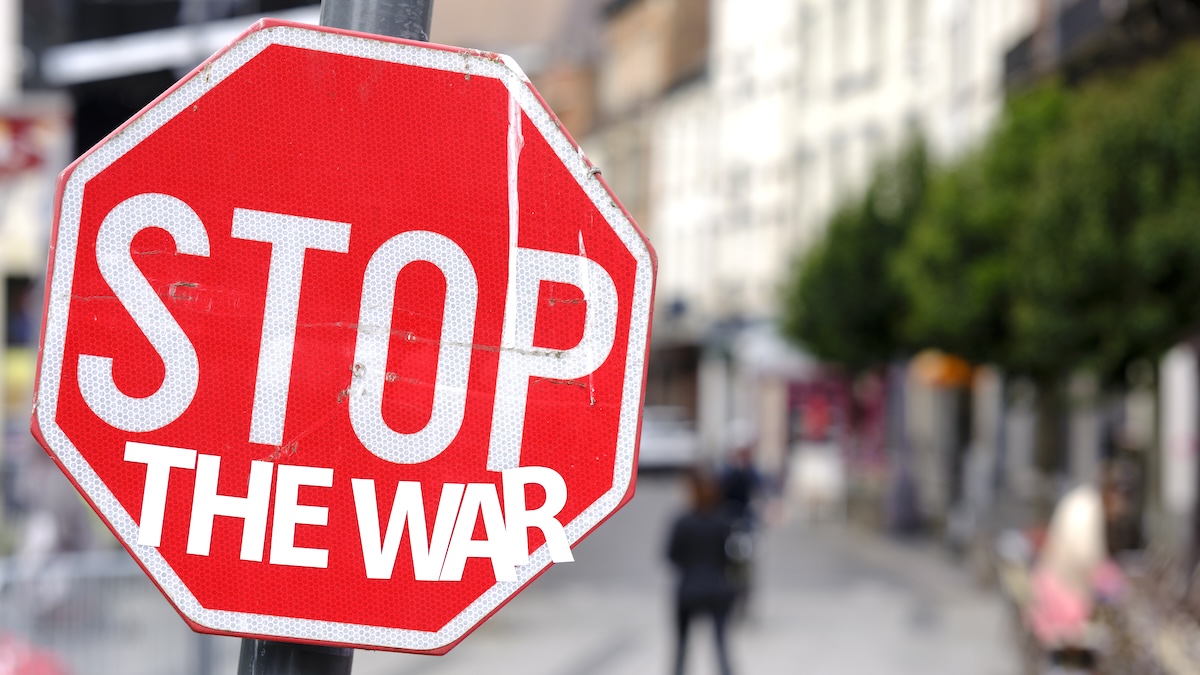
1070 239
842 305
957 266
1110 250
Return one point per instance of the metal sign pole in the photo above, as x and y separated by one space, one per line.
268 657
408 19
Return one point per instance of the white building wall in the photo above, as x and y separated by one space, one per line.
1178 391
753 63
682 202
803 97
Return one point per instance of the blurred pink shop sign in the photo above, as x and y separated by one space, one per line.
18 657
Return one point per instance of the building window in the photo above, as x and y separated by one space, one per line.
801 187
872 148
838 168
917 12
840 42
875 32
739 197
858 43
960 54
805 34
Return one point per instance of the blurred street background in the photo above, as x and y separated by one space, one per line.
929 273
832 599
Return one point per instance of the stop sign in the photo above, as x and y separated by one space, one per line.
345 340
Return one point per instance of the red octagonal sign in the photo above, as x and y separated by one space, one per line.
344 339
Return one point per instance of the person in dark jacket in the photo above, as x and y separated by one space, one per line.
697 549
741 485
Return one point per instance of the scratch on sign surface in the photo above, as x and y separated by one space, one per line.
177 294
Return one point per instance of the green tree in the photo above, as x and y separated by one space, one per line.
841 302
956 268
1069 240
1109 256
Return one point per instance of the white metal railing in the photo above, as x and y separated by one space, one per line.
99 613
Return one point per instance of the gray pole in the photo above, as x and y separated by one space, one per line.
268 657
409 19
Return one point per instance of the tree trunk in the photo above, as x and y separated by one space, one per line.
1048 455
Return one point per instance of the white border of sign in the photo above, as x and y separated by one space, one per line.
199 82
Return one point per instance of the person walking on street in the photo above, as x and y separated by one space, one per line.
697 549
741 485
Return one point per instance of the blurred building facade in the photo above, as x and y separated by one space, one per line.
799 101
732 131
557 43
655 51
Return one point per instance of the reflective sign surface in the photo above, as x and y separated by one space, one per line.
344 340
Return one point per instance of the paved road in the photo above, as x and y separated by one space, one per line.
829 601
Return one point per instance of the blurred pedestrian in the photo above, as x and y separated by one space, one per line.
1073 574
741 486
741 490
698 550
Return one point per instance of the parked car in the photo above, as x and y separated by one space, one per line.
669 439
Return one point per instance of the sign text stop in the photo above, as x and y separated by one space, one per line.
344 339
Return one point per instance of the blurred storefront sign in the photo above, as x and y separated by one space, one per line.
34 141
936 414
18 657
940 369
35 137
